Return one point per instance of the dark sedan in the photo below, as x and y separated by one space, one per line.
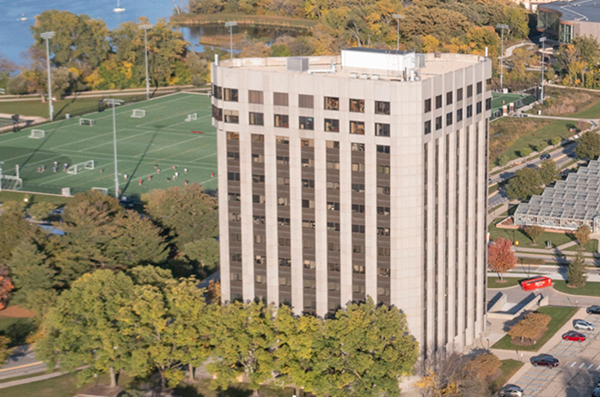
593 310
545 361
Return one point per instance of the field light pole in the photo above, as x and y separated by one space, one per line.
501 26
230 25
397 17
543 41
115 102
146 27
47 36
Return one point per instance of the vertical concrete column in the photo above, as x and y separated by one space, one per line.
296 221
272 236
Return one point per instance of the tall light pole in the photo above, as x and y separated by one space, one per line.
543 41
115 102
230 25
397 17
501 26
146 27
47 36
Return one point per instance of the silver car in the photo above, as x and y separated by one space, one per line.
583 325
510 391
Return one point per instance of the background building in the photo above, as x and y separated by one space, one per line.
565 20
357 175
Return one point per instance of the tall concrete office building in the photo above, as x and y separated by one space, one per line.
363 174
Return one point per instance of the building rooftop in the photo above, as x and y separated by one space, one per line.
363 63
577 10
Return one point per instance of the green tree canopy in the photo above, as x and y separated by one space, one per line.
14 229
524 184
577 272
548 172
588 146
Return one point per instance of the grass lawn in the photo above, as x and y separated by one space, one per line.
560 315
590 246
507 369
510 282
6 195
570 102
536 137
17 329
589 289
589 113
524 240
201 389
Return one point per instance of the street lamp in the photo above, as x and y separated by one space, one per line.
230 25
115 102
543 41
397 17
47 36
146 27
501 26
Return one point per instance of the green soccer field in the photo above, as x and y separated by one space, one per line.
498 98
147 148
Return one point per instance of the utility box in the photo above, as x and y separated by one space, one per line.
297 64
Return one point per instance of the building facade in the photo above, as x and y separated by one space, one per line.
566 20
363 174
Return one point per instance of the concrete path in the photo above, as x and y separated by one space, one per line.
509 51
567 245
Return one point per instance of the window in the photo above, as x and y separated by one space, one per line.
259 219
470 91
233 176
282 121
333 267
358 167
358 229
332 125
333 226
357 249
217 92
233 217
382 107
333 206
357 127
257 137
233 136
307 123
231 94
359 269
382 251
236 257
357 147
383 231
260 260
427 127
217 113
256 119
284 242
358 187
306 101
459 95
258 199
233 197
383 169
231 116
332 103
307 142
383 190
448 119
285 262
307 163
258 178
449 98
333 286
358 289
478 108
427 107
308 264
308 224
255 97
233 156
438 101
333 185
283 201
438 123
259 239
308 204
333 165
469 111
280 99
308 244
283 221
333 247
332 144
383 211
357 105
282 140
283 181
479 88
283 160
488 104
308 183
382 129
381 291
384 272
459 115
283 281
358 208
257 158
309 284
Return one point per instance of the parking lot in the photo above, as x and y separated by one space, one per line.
579 368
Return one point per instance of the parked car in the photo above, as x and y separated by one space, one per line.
596 392
574 336
545 360
593 310
545 156
583 325
510 391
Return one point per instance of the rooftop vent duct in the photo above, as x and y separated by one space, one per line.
297 64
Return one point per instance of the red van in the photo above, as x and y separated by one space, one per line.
535 283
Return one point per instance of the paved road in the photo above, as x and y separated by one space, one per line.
21 362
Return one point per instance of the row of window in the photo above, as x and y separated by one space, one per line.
450 97
304 101
334 247
459 116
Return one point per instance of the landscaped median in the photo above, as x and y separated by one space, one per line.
589 289
508 369
559 316
494 282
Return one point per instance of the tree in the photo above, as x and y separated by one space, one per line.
582 234
40 211
7 68
485 365
500 256
525 152
556 140
14 207
548 172
503 160
451 376
4 350
534 232
531 327
242 344
524 184
213 292
198 68
205 251
577 272
82 328
588 146
5 287
14 229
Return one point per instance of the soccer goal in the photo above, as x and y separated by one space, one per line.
89 122
138 113
102 190
191 117
37 134
10 182
77 168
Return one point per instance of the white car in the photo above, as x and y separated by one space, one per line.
510 391
583 325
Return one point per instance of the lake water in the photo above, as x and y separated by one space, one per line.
15 34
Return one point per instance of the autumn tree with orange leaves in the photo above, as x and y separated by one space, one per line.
5 287
500 257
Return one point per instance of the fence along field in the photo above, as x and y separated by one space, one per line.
154 151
